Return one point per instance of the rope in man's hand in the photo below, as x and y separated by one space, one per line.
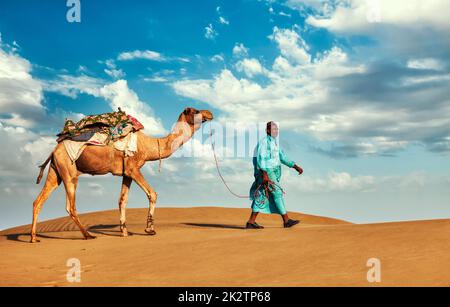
217 165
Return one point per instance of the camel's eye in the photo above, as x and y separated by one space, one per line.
197 112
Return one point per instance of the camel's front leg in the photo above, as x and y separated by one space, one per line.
71 187
152 197
123 200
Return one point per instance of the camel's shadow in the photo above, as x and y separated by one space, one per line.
110 230
106 230
25 237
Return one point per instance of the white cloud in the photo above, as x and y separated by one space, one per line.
120 95
20 94
223 21
162 76
239 50
427 63
291 45
22 151
319 5
412 81
337 182
362 16
82 69
39 147
210 32
217 58
156 79
285 14
139 54
225 90
406 30
183 59
251 67
71 86
112 70
344 181
115 73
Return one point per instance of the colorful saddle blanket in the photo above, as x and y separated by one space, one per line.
115 125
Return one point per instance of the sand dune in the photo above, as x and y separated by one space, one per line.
209 247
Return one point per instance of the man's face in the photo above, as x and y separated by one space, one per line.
272 130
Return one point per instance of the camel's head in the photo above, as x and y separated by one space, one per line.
193 116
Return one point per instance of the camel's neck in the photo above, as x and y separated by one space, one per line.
167 145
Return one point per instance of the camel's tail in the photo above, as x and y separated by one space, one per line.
42 167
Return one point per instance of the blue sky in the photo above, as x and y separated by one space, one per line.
360 89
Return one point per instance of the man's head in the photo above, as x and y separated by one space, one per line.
272 129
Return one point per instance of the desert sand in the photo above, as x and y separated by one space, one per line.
210 247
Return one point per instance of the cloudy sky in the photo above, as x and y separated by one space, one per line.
360 88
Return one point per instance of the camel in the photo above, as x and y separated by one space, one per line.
101 160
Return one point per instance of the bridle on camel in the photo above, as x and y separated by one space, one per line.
271 186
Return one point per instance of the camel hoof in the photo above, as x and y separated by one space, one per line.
34 240
90 237
124 234
150 232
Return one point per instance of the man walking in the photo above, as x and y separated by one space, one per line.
266 193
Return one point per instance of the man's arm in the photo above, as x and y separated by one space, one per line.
291 164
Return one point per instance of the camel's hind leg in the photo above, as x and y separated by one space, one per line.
52 182
123 200
69 175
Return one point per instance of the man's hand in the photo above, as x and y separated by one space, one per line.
265 178
298 169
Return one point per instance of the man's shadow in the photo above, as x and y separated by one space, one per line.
214 226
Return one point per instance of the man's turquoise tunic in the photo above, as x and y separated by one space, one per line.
268 157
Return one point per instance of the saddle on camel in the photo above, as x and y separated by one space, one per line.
115 128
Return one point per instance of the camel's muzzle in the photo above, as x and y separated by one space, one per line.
206 116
